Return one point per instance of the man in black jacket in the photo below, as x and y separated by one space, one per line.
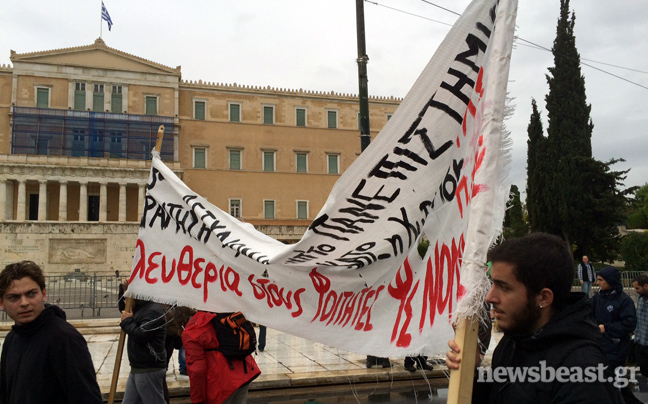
550 352
617 318
44 358
146 329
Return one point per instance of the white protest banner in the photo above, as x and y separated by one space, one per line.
355 280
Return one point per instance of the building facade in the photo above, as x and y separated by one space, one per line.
77 126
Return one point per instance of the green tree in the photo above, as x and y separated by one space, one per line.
634 251
641 195
514 224
569 133
570 193
536 173
605 204
638 209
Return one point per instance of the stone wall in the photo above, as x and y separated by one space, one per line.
60 248
101 248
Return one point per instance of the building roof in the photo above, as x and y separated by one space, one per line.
96 55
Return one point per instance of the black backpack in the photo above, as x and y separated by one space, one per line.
236 336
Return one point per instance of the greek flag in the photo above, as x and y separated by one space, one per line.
106 16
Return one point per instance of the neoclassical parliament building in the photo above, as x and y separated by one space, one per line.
77 126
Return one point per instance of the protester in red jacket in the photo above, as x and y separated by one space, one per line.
210 377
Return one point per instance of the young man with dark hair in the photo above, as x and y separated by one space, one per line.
44 358
545 327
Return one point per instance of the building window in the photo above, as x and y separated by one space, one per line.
116 99
333 161
332 119
300 116
235 207
151 105
199 110
98 98
79 146
42 146
42 97
268 115
234 159
389 117
302 210
302 162
359 126
234 112
269 209
268 161
117 143
79 96
199 157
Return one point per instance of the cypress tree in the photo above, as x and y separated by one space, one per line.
570 194
569 133
536 173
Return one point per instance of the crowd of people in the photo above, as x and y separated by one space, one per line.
155 330
545 326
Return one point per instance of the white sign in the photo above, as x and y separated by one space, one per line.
355 280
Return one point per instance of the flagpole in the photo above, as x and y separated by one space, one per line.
101 20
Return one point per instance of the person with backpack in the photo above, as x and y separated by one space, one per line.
218 350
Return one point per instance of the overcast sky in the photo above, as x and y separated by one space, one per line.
311 44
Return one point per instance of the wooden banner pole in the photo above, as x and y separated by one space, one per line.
118 358
461 380
129 306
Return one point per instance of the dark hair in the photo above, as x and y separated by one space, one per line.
19 270
641 279
539 261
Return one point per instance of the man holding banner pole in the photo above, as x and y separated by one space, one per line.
551 349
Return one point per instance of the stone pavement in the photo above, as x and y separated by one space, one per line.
287 361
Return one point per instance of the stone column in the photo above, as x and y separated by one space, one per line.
83 201
141 200
103 201
3 200
42 200
22 196
62 201
122 201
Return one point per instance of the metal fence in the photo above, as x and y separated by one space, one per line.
82 291
86 292
627 277
94 292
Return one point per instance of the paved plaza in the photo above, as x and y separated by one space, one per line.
287 361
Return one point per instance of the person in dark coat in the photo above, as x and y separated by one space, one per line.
44 358
146 329
617 318
545 326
